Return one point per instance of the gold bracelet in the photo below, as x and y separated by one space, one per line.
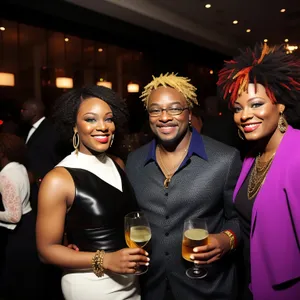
231 238
97 263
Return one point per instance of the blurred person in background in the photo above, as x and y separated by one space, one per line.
42 143
44 151
21 270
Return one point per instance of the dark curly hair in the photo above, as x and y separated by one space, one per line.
66 108
273 68
13 147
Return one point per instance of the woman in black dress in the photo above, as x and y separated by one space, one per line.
87 196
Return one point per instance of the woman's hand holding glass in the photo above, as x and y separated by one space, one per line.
137 235
125 261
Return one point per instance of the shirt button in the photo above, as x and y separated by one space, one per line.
167 234
167 217
166 253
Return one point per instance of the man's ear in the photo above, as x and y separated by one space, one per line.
190 115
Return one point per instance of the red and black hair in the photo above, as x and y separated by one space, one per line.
273 68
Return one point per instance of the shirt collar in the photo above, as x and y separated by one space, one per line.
196 147
38 123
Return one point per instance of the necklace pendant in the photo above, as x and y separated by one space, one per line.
166 182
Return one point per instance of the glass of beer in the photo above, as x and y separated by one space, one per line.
137 234
195 234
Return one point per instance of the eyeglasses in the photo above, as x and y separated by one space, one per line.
172 111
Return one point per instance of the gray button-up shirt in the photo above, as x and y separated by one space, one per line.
202 187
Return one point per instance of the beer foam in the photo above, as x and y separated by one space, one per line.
140 234
196 234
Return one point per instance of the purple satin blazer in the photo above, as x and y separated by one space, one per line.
275 224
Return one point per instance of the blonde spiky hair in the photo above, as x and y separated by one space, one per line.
179 83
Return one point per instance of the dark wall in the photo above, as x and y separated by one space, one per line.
62 16
161 52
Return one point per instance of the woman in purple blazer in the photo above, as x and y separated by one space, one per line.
263 89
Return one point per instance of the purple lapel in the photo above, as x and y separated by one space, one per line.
273 174
276 166
245 170
282 151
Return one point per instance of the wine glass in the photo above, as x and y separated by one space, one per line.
195 234
137 234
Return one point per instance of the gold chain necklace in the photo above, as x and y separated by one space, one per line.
167 173
258 176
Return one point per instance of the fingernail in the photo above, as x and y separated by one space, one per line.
148 259
146 264
192 257
147 253
195 250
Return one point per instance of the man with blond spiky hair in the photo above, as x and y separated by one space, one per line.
182 175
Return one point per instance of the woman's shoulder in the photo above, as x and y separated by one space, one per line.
290 144
58 177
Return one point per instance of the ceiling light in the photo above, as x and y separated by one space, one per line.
133 88
64 82
7 79
2 28
235 21
265 40
102 82
290 48
248 30
66 39
211 72
208 5
286 40
100 50
282 10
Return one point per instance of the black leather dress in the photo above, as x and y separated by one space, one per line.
96 219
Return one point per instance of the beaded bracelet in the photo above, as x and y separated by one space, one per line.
97 263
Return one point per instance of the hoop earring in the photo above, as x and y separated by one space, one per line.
76 141
282 123
112 140
241 136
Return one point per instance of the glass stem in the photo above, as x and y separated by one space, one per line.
197 268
